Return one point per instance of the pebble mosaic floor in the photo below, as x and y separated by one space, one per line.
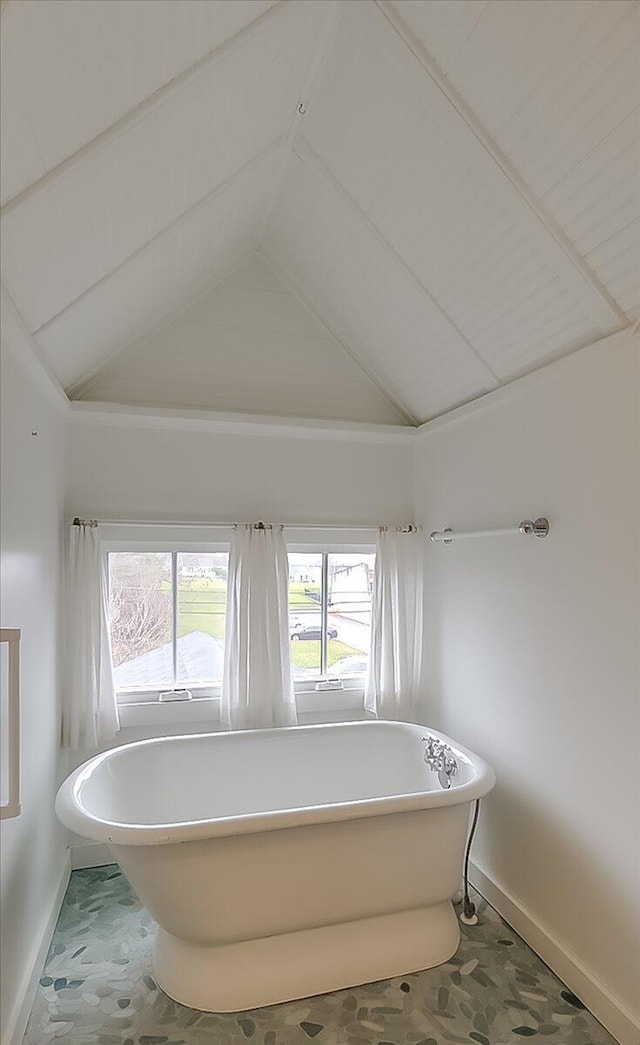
98 989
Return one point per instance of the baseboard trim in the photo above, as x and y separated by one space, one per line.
610 1011
93 854
18 1019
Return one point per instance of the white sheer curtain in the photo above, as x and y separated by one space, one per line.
396 634
90 710
257 685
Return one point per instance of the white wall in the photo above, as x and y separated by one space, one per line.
33 845
117 471
532 649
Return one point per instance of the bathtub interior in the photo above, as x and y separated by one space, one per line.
187 779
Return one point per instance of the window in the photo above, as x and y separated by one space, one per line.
168 607
167 614
329 614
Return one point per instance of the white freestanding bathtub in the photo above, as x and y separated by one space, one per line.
286 862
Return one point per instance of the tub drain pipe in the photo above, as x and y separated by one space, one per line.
469 916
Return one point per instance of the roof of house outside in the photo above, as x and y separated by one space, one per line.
199 659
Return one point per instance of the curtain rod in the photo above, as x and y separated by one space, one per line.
539 528
227 525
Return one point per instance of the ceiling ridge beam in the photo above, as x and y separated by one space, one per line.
296 290
308 156
525 206
305 99
149 104
37 363
199 204
207 286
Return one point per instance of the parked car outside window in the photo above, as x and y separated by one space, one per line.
300 631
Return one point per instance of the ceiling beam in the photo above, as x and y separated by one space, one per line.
305 99
207 286
14 329
150 104
116 415
484 153
527 382
296 290
307 155
188 212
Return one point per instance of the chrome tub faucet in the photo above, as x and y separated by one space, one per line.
440 758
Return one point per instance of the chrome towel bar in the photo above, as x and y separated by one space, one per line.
539 528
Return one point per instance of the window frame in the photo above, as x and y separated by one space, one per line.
351 684
145 695
142 707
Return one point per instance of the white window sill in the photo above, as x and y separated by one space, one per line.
206 710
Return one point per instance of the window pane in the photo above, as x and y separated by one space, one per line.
141 618
350 588
202 601
305 613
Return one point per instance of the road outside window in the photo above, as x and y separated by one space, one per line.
330 613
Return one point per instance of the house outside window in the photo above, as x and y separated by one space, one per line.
167 614
329 614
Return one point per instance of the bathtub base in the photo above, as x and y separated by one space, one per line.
253 973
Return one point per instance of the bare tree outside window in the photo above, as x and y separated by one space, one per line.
167 618
140 603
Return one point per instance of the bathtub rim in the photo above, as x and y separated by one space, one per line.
76 816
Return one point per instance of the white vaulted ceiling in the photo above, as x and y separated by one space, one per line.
248 340
351 211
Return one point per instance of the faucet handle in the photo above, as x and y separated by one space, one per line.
440 758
